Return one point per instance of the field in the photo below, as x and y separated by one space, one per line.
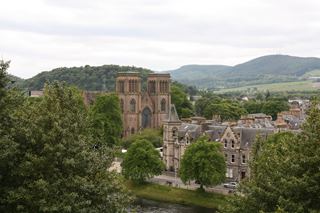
177 195
276 87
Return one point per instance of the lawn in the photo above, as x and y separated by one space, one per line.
275 87
177 195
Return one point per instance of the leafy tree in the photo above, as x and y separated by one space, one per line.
152 135
141 162
273 107
253 106
105 119
203 162
180 100
284 172
48 163
226 109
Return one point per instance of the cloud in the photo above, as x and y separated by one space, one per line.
40 35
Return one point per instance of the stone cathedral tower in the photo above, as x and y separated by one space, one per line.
143 109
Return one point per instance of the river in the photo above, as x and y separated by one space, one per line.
150 206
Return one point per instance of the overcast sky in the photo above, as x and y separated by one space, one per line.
39 35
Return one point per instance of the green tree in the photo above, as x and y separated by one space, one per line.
284 172
105 119
273 107
141 162
203 162
226 109
180 100
253 106
152 135
48 163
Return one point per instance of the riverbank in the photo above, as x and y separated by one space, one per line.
176 195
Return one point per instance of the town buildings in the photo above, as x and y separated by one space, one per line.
236 138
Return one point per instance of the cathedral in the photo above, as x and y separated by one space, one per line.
143 108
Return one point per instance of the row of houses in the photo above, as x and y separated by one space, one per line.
236 138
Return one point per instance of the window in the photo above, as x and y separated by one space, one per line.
163 105
243 158
152 87
226 157
133 85
132 105
174 132
225 143
232 143
121 105
232 158
164 87
229 173
132 131
121 86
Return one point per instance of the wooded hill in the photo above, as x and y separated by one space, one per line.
262 70
85 77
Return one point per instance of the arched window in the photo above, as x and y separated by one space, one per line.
225 143
232 143
121 105
133 105
132 131
163 105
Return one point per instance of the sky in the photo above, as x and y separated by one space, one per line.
40 35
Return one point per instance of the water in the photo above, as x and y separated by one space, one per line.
149 206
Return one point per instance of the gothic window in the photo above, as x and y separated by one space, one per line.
232 143
132 105
163 105
152 87
133 85
132 131
121 86
232 158
122 105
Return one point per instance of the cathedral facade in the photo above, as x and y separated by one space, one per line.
143 108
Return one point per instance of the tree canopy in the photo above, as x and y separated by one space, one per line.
48 162
180 100
152 135
142 161
105 119
203 162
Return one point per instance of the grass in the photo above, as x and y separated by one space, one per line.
176 195
313 73
275 87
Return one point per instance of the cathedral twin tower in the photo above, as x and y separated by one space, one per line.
143 108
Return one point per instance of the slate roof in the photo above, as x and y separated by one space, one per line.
193 129
248 135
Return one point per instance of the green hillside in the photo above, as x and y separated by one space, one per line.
85 77
262 70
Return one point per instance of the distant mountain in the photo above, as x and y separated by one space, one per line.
265 69
84 77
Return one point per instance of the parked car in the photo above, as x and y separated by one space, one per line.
231 185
